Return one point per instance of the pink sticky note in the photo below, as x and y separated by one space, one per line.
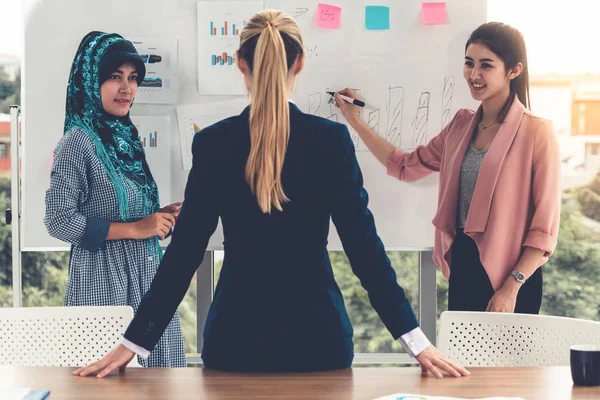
328 16
434 13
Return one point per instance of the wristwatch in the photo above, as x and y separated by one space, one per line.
519 276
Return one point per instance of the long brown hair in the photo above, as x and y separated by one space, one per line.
508 44
270 43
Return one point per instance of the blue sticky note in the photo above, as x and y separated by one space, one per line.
377 18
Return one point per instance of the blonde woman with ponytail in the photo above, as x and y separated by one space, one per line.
275 176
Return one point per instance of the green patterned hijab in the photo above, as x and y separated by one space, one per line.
117 144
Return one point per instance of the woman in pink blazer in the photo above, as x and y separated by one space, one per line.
499 196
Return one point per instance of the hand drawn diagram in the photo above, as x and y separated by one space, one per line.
298 12
314 104
311 51
421 120
333 115
295 12
395 110
358 144
447 95
373 122
329 111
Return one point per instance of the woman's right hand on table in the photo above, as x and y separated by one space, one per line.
434 362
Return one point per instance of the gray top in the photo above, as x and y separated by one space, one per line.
469 171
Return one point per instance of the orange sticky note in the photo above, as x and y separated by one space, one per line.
434 13
328 16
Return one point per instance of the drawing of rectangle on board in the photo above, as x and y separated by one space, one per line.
395 109
373 121
421 121
447 96
314 104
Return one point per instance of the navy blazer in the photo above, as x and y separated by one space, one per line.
277 306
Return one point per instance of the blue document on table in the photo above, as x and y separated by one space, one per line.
23 394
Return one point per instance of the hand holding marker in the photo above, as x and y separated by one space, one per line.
349 99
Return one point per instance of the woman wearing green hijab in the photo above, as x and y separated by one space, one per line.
102 198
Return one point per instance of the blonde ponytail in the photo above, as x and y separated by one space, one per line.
269 110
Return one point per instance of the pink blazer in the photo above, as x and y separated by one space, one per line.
516 202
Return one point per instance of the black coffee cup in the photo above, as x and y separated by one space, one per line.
585 364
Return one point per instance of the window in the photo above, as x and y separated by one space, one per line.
581 119
44 279
586 111
6 294
370 335
592 149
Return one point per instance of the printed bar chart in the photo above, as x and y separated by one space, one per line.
151 141
222 59
227 29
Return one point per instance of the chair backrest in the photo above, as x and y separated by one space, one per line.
506 340
61 336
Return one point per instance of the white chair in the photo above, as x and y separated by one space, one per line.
480 339
61 336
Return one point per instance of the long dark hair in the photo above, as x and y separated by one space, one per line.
508 44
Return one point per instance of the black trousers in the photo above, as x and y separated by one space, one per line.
470 289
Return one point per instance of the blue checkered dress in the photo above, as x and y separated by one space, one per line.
80 204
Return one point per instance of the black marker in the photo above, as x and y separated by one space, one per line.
349 99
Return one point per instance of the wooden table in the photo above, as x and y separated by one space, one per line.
359 383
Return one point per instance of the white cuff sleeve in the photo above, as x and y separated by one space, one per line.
414 342
140 351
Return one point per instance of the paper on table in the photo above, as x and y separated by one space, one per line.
23 394
405 396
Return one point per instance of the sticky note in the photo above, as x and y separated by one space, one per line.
377 18
434 13
328 16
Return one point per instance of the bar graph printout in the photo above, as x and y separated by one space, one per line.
219 27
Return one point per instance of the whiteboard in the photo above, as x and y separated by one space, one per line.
410 77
